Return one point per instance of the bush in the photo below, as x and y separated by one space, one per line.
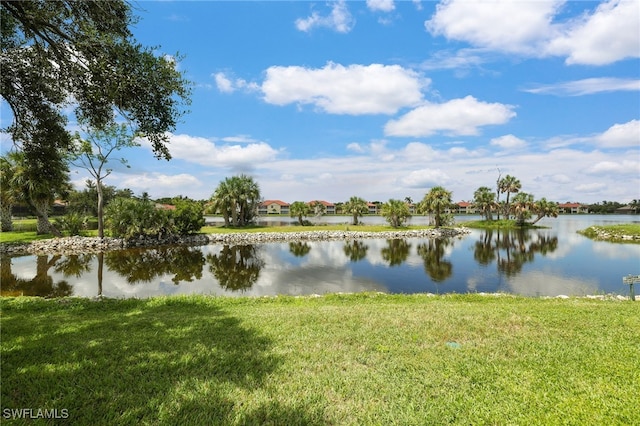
130 218
73 223
188 217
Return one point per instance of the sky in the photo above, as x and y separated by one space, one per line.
386 99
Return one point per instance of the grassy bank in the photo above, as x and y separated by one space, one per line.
25 236
627 232
341 359
499 224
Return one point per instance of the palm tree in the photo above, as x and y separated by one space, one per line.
544 208
8 193
485 200
396 212
509 184
39 180
521 208
356 207
436 201
237 199
299 209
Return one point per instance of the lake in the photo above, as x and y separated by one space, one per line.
542 262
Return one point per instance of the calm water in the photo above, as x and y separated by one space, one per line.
544 262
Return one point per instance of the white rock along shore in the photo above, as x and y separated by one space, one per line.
79 245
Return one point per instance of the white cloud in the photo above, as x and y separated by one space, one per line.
456 117
603 36
425 178
339 19
508 142
510 26
621 135
608 35
381 5
160 184
587 86
205 152
620 168
590 187
338 89
226 84
355 147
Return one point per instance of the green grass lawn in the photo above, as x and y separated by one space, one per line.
363 359
498 224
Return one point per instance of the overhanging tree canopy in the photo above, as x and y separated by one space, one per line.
61 53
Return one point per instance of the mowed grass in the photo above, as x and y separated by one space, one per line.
364 359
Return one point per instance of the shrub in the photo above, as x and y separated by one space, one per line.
73 223
130 218
188 217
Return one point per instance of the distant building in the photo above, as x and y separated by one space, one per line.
465 207
273 207
329 208
572 208
628 209
373 208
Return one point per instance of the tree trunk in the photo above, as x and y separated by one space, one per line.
5 218
100 209
44 226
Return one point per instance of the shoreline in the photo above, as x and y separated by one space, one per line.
80 245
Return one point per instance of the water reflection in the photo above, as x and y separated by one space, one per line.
236 267
432 253
41 284
532 262
355 250
396 252
146 265
512 249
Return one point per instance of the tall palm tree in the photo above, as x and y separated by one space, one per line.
237 199
509 185
356 207
436 201
544 208
484 199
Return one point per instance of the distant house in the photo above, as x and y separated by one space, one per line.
465 207
572 208
628 209
373 208
273 207
165 206
329 208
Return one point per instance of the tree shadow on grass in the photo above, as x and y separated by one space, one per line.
158 361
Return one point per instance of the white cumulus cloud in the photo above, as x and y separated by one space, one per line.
508 142
339 89
608 35
455 117
339 19
504 25
425 178
534 28
621 135
381 5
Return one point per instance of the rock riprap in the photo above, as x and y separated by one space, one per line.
79 245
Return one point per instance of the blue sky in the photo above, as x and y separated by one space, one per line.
382 99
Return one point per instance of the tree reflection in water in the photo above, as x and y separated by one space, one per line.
236 267
144 265
299 249
355 250
511 249
40 285
432 254
396 252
